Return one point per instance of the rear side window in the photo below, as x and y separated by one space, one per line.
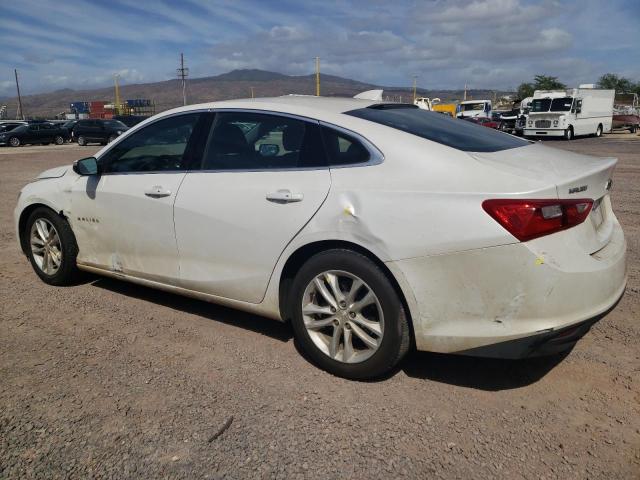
343 149
439 128
256 141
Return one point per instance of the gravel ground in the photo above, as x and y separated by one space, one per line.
111 380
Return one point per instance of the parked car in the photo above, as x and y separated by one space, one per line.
485 122
371 227
97 131
34 133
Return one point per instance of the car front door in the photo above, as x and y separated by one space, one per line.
262 178
123 218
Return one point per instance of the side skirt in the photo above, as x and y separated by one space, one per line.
258 309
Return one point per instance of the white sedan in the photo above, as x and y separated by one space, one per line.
371 227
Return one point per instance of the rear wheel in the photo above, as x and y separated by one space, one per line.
59 140
14 141
82 141
568 133
347 317
633 128
51 247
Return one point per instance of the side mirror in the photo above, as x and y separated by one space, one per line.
269 150
86 166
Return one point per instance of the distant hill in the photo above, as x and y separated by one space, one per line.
234 84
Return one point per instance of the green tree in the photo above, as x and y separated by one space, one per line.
525 90
612 81
545 82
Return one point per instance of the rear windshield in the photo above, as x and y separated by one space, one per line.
465 136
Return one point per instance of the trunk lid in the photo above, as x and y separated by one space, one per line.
574 175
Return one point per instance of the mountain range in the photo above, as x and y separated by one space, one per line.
235 84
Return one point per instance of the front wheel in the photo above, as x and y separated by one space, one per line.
51 247
59 140
599 131
112 138
14 141
568 133
347 316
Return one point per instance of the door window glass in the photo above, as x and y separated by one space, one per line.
254 141
343 149
157 147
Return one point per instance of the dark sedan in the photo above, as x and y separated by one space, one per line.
34 133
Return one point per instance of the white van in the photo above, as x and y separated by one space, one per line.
571 112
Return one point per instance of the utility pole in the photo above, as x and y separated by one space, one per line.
20 113
183 73
116 101
317 76
252 94
465 91
415 87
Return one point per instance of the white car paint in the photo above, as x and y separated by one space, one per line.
467 281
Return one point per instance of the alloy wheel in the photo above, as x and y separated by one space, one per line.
343 316
14 142
46 248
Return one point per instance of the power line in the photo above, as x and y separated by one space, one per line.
183 73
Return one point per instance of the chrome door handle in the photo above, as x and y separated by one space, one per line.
284 196
157 191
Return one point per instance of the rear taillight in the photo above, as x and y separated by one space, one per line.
529 219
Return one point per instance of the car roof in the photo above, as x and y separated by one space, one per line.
321 108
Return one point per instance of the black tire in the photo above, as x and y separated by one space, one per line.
59 140
633 129
598 131
112 138
68 272
396 338
15 142
568 133
82 141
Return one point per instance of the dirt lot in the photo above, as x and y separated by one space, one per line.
110 380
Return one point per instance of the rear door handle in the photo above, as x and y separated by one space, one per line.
157 191
284 196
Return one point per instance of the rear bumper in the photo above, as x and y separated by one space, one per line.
547 343
512 300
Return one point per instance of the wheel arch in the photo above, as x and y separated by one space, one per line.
304 252
22 222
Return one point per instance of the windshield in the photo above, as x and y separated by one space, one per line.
472 106
115 124
540 105
465 136
561 104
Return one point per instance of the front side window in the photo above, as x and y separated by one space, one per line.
158 147
255 141
458 134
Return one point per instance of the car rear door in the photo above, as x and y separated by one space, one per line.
263 177
123 218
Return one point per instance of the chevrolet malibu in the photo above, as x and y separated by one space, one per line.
371 227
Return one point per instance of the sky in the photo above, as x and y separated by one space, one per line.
483 43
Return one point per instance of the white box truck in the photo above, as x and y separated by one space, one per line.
474 109
570 113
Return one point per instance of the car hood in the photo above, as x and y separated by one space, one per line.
56 172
